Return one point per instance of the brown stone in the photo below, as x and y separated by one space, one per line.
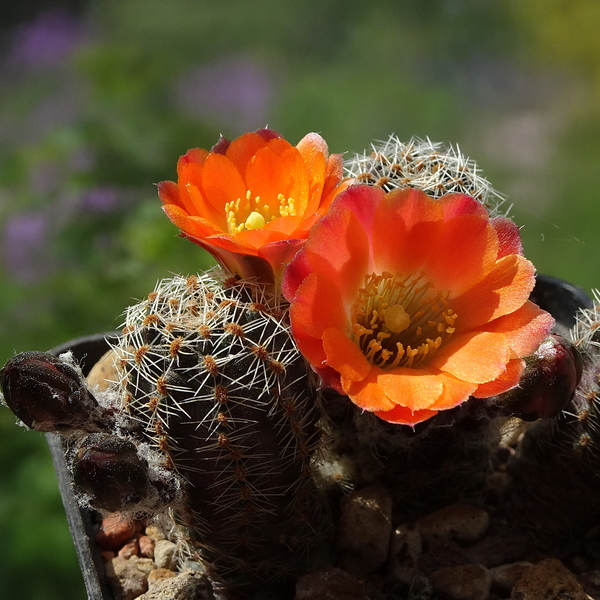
548 580
460 522
363 532
125 579
330 584
463 582
184 586
103 372
506 576
131 548
115 531
159 574
146 546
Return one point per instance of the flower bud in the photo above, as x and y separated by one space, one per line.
46 393
548 382
110 471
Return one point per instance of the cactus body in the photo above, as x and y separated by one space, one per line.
556 473
214 386
426 166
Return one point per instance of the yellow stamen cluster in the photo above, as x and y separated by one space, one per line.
253 213
398 321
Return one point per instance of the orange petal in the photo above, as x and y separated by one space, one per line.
473 357
506 381
318 306
458 205
221 183
344 355
168 192
269 176
243 148
367 394
414 206
338 248
526 328
464 253
193 226
404 416
503 291
416 389
456 392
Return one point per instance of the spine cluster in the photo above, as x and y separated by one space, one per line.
423 165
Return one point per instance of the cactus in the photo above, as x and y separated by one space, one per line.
215 423
556 471
426 166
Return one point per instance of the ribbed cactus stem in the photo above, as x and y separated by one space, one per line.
212 379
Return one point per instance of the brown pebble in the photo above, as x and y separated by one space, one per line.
146 546
463 582
330 584
159 574
131 548
506 576
547 580
115 531
107 555
460 522
125 579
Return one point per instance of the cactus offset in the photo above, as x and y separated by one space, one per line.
216 386
556 473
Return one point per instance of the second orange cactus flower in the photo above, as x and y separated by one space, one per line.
252 202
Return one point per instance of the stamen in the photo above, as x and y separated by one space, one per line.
401 320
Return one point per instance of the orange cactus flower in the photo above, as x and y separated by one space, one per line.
411 305
252 202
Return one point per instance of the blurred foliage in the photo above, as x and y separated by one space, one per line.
97 101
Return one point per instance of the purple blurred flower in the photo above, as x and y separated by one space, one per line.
100 199
25 246
234 91
45 41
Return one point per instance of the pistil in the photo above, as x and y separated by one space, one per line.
253 213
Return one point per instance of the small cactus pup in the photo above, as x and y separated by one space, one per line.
210 425
555 490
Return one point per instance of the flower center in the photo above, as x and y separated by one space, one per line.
398 321
252 213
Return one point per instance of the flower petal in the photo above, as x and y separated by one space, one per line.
404 416
416 389
507 380
344 355
505 289
474 357
367 393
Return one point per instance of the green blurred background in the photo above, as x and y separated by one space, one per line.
98 99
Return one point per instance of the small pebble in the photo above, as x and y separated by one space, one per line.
115 531
154 532
330 584
164 554
130 549
463 582
548 580
506 576
460 522
125 579
159 574
364 528
184 586
146 546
